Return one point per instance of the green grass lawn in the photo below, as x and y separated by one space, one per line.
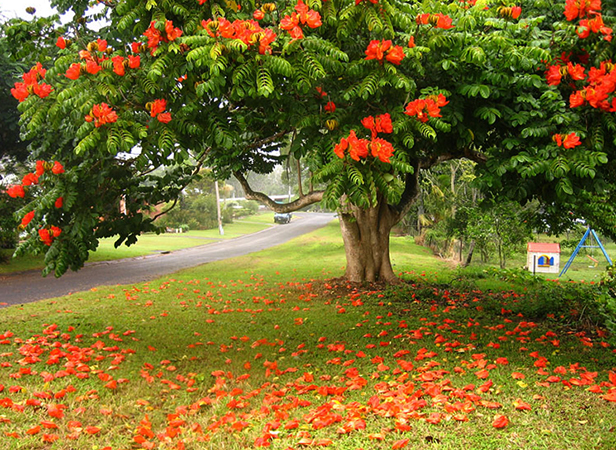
272 349
152 243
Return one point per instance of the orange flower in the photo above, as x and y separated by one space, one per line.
93 67
395 55
102 114
134 61
500 421
401 443
57 168
381 149
118 65
158 106
29 179
164 117
567 141
15 191
40 168
74 71
423 109
61 43
27 219
20 91
59 202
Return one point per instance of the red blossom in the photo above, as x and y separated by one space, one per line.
61 43
330 107
158 106
118 65
27 219
577 9
553 75
73 71
568 141
59 202
164 117
29 179
40 168
134 61
437 20
57 168
102 114
423 109
93 67
500 421
17 190
381 149
20 91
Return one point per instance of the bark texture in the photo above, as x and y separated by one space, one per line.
365 233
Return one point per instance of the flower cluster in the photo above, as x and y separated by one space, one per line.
374 2
102 114
95 55
556 72
383 49
157 108
247 31
31 84
567 141
578 9
120 63
380 124
48 234
155 36
358 148
437 20
30 179
303 16
591 19
424 108
601 84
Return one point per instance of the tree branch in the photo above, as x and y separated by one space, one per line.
305 200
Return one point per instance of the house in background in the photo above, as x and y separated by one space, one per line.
543 257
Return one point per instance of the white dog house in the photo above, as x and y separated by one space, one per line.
543 257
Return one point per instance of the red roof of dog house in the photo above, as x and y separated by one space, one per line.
543 247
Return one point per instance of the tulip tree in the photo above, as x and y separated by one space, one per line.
364 93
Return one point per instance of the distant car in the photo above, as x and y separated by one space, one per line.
282 217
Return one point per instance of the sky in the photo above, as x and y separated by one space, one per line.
11 9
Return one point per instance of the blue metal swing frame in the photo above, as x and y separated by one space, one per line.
581 245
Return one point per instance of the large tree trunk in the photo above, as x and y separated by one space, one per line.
365 233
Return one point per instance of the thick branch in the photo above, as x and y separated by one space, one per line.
467 153
269 139
411 191
309 199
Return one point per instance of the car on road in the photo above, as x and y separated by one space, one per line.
282 217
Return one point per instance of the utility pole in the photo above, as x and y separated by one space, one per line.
220 229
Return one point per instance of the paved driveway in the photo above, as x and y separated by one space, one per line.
30 286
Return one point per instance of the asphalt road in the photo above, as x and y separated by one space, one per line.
30 286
